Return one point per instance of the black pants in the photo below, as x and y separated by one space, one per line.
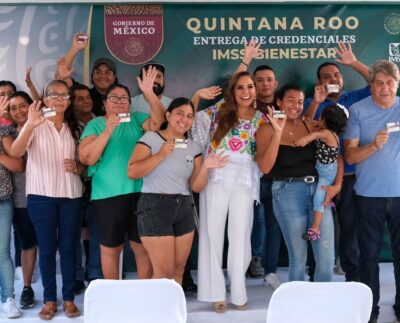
347 212
374 212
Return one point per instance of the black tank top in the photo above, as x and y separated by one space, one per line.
294 161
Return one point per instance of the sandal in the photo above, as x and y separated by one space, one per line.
219 307
71 310
48 311
241 307
311 235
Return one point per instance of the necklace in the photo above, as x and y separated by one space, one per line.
293 126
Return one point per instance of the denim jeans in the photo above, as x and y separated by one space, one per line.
374 212
56 220
273 235
6 265
347 212
258 231
326 176
94 264
293 208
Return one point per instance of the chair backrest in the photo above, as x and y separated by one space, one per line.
134 301
305 302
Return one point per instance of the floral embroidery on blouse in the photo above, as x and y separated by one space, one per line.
239 144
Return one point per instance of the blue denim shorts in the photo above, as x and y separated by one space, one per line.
165 215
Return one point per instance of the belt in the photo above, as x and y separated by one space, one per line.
307 179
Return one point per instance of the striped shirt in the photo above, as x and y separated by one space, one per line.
45 174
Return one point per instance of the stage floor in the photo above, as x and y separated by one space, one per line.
198 312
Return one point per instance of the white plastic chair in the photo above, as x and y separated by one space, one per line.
135 301
305 302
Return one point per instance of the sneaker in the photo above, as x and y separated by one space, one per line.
18 274
79 287
27 298
271 280
256 269
10 309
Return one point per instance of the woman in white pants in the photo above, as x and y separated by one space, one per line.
230 128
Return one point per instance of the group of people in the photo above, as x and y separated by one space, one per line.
136 161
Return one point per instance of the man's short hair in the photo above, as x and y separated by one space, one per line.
324 65
158 66
263 68
8 83
386 67
77 87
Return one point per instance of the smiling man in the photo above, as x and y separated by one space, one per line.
373 145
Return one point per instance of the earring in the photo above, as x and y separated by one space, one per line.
255 104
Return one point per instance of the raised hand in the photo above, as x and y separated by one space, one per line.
111 123
277 123
148 76
28 80
35 116
320 93
4 111
346 54
62 71
251 51
216 160
209 93
167 148
80 41
381 138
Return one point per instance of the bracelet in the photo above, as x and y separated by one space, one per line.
244 63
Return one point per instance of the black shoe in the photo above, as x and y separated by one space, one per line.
79 287
27 298
373 319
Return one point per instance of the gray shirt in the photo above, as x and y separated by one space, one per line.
140 104
172 175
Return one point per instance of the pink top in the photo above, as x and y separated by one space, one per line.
5 122
45 173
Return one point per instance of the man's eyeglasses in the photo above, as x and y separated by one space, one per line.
116 99
55 95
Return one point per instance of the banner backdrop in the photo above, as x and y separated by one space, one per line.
203 43
200 44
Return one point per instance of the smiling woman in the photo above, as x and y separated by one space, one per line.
53 190
228 128
106 145
294 183
170 165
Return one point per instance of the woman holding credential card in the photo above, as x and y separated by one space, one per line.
54 190
170 165
106 145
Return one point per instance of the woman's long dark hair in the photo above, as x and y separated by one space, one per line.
69 116
227 114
